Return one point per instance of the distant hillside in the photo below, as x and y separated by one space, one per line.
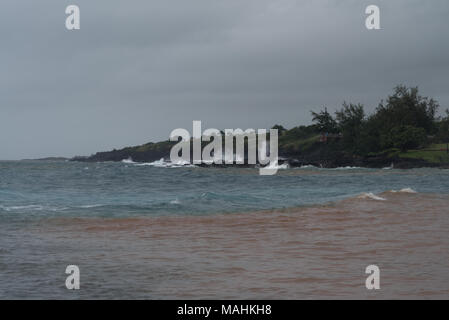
302 151
144 153
404 130
48 159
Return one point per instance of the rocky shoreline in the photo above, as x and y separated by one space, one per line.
339 160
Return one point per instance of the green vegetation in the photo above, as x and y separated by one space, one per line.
435 153
404 128
324 121
404 138
298 145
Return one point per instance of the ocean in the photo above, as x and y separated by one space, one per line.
157 231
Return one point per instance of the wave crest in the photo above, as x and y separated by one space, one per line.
404 190
162 163
370 195
128 161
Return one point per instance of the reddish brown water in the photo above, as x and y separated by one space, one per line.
304 253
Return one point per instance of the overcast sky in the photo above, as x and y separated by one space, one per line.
139 69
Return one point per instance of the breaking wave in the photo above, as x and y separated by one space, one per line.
370 195
162 163
26 207
308 166
275 165
128 161
405 190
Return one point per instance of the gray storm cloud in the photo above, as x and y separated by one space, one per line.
136 70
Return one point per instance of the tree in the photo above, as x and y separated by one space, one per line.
279 128
407 108
404 138
324 121
403 109
443 129
351 119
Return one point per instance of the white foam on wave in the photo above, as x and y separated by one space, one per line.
88 206
370 195
161 163
33 207
275 165
405 190
128 161
390 167
308 166
28 207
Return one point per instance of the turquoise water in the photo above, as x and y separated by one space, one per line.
156 232
35 189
